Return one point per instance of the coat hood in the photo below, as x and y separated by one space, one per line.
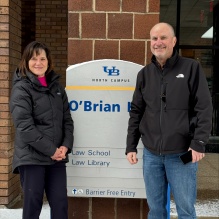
16 77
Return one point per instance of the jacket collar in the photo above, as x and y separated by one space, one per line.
30 78
170 61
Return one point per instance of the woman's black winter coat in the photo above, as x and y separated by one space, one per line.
41 118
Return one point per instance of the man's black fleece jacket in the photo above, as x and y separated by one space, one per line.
171 109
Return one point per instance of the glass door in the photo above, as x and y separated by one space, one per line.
196 23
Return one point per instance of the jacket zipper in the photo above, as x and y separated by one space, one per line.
162 105
161 112
50 100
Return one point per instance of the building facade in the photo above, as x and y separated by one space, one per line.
82 30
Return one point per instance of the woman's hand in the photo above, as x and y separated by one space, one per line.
57 155
64 151
60 153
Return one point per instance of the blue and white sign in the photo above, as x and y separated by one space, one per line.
99 95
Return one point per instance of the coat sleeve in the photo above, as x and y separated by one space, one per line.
202 106
27 134
135 116
68 124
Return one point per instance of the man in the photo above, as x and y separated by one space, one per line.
171 112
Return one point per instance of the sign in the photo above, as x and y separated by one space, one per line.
99 94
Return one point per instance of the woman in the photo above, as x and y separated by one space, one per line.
44 132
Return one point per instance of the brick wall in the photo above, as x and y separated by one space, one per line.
103 29
28 20
110 29
10 15
52 29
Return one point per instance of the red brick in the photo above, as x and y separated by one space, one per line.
106 49
5 169
4 10
4 200
16 193
5 138
5 154
93 25
145 208
78 208
120 26
79 51
4 99
154 5
5 130
106 5
4 27
5 161
4 35
3 75
6 149
3 192
149 53
103 208
4 84
80 5
73 25
128 208
11 191
143 25
4 107
132 6
4 18
4 67
4 92
4 59
4 176
4 3
5 115
133 51
4 51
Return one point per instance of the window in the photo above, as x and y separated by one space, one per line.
196 24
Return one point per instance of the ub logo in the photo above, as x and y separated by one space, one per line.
111 71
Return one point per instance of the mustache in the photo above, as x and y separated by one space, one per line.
159 47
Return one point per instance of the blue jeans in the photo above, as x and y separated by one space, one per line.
161 170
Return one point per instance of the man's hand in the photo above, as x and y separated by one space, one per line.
196 156
132 157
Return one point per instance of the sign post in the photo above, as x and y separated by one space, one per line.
99 94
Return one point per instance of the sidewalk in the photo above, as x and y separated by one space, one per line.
16 213
205 209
